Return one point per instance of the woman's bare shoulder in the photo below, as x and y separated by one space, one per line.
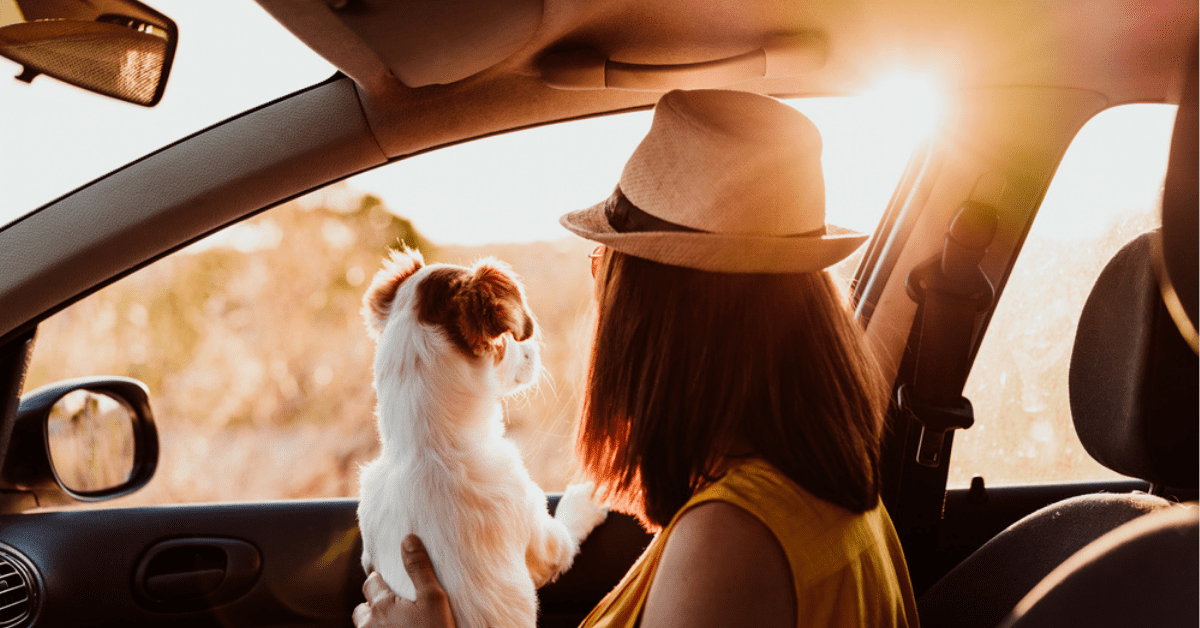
721 567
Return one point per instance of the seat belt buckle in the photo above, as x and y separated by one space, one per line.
936 421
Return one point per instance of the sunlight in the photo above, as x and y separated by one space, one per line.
1115 165
868 141
914 100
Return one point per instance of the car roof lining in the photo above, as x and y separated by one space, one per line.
968 44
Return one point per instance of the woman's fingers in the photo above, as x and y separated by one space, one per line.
362 615
432 604
384 608
420 570
377 592
380 604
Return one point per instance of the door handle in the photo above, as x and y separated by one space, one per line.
189 573
170 587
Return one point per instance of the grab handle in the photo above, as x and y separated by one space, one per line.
784 55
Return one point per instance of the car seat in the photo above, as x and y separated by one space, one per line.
1144 573
1134 401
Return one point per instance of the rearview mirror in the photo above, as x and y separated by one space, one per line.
119 48
85 439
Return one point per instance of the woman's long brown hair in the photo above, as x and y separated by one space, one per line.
687 365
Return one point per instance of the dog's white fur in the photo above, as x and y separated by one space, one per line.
445 471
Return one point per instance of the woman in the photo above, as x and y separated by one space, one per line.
731 403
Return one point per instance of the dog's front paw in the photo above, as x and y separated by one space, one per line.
579 512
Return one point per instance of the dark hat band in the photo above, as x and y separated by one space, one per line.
625 217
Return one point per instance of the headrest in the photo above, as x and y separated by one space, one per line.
1133 379
1180 218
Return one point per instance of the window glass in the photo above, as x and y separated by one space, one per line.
1106 191
252 345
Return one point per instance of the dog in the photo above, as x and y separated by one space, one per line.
451 342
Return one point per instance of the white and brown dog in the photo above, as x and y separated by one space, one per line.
451 342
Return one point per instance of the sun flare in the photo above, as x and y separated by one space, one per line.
915 99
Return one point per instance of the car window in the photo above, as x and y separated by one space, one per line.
251 341
1106 191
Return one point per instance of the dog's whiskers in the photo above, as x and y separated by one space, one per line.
544 375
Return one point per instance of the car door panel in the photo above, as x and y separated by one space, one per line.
96 567
309 573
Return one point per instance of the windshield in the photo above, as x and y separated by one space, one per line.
512 187
232 56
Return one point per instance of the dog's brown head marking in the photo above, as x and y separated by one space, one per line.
377 302
476 306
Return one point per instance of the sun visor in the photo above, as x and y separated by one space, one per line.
420 42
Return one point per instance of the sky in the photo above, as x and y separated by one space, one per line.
509 188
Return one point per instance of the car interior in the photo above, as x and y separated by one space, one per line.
416 77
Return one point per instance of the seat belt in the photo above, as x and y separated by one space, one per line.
951 290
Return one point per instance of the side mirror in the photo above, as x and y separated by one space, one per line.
119 48
87 439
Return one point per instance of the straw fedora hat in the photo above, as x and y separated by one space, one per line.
725 181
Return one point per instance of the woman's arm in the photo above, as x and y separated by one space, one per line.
721 567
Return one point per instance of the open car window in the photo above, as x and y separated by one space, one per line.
1107 190
251 341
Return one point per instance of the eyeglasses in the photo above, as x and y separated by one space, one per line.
597 257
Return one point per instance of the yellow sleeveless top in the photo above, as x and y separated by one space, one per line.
847 569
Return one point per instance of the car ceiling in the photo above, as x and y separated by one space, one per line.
1125 50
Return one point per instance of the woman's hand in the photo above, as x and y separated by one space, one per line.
384 608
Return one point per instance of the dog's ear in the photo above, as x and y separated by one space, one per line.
490 303
377 302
